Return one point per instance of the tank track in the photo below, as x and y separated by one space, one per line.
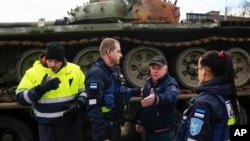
128 39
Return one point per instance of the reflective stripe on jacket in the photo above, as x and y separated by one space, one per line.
51 105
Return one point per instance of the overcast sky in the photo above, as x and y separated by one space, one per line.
32 10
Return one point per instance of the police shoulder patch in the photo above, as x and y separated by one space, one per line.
196 125
199 113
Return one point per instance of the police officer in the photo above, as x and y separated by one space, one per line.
215 108
56 89
107 94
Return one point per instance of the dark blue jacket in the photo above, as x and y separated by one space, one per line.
108 94
207 119
162 115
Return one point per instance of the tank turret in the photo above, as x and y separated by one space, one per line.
136 11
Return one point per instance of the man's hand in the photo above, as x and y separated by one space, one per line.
47 84
138 127
149 100
74 110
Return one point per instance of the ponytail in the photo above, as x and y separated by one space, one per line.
230 75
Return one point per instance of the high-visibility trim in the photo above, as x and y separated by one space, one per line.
231 121
26 97
83 94
19 91
56 100
126 107
48 115
82 90
105 109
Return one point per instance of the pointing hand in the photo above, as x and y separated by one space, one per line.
149 100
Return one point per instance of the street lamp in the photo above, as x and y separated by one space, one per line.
225 16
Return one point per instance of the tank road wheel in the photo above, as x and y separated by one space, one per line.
86 57
136 62
27 60
185 67
13 129
240 59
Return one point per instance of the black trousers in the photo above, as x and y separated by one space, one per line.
114 133
68 131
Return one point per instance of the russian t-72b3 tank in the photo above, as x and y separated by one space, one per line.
144 27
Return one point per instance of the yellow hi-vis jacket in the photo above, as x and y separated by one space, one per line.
51 106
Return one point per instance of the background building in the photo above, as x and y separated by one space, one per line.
214 15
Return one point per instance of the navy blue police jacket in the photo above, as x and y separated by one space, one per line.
207 119
161 116
107 94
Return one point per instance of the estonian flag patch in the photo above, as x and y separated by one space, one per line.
199 113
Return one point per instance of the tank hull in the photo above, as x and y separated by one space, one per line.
169 39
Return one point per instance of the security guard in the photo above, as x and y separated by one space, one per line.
107 94
216 107
56 89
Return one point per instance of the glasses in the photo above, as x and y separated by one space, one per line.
197 68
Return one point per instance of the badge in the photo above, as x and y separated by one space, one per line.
195 126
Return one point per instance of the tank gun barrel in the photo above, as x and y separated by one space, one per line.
18 24
41 22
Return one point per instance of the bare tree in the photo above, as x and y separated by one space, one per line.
245 8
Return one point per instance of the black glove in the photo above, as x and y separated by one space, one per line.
47 85
74 110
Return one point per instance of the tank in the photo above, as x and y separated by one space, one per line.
144 27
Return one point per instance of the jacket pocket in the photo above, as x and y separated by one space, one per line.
109 100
